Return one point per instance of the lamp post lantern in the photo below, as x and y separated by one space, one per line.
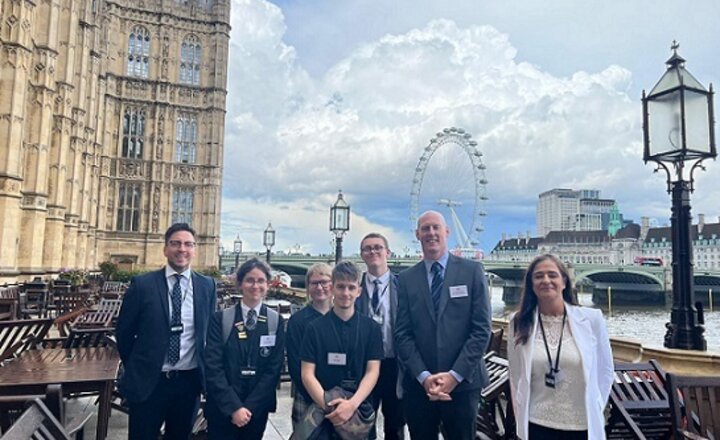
237 250
221 250
678 134
339 223
268 240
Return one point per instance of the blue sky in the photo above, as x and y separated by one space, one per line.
327 95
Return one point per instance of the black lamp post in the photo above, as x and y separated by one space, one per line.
221 250
678 127
339 223
237 250
268 240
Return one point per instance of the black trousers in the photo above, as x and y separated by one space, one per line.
223 429
385 392
173 401
539 432
424 416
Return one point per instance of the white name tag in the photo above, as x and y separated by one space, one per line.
337 359
267 341
458 291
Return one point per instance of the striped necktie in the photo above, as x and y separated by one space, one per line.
376 296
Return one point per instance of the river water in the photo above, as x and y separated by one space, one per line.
645 324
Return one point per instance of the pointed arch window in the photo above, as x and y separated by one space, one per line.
186 138
133 133
190 54
128 213
182 208
139 52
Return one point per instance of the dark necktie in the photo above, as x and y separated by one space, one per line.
376 296
251 319
176 297
436 286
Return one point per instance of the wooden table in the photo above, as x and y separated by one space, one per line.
76 369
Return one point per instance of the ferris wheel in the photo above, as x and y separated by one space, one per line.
451 173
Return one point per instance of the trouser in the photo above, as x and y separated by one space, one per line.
385 392
539 432
173 401
424 416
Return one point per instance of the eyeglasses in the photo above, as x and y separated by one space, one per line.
377 248
177 244
323 283
253 281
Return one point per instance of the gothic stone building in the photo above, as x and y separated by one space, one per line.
111 129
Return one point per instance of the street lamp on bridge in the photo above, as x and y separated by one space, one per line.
339 223
268 240
678 127
237 250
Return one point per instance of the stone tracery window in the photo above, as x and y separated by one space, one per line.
128 213
133 133
182 207
186 138
190 54
138 52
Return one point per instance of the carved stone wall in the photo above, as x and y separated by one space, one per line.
64 94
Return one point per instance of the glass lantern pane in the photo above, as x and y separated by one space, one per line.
664 124
341 219
697 122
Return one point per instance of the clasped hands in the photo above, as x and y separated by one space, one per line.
438 386
342 410
241 417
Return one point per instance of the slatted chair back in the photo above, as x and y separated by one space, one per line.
12 406
639 405
105 315
67 301
113 289
700 397
495 419
495 340
37 422
9 302
34 301
17 336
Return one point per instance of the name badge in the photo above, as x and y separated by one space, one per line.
242 335
248 372
267 341
458 291
337 359
176 328
261 318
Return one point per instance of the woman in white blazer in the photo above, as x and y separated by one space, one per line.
561 365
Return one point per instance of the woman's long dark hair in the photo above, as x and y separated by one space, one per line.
528 300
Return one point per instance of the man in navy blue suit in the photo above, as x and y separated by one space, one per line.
442 329
161 338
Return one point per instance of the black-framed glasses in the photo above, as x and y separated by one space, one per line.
376 248
323 283
178 243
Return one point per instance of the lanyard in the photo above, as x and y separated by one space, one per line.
547 349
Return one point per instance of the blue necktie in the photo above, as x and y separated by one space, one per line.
176 297
436 286
376 296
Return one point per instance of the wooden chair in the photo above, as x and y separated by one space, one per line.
495 419
83 338
68 300
105 315
695 406
639 405
34 301
17 336
495 340
9 302
37 422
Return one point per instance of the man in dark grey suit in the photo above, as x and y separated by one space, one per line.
378 300
443 328
161 338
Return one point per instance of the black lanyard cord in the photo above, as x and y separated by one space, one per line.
547 348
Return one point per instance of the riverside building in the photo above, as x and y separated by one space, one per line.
111 128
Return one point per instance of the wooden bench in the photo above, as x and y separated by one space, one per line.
639 405
694 406
18 336
495 419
